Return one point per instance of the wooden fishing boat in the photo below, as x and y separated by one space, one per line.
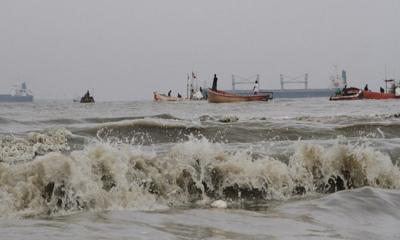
348 94
219 96
163 97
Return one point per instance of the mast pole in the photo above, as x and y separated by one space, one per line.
187 87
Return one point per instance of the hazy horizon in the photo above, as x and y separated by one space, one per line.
125 50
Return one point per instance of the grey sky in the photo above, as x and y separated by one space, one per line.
125 49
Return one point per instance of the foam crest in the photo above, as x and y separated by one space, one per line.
14 148
329 169
150 122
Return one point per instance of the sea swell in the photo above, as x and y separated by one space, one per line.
365 213
233 130
105 176
166 128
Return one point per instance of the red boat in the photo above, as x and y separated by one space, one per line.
377 95
356 93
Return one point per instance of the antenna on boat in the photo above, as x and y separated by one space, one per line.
392 80
386 78
386 72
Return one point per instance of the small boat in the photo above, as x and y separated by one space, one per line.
162 97
218 96
87 98
352 93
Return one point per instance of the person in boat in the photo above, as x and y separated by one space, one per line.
344 91
191 93
366 87
382 90
214 85
179 96
169 93
256 88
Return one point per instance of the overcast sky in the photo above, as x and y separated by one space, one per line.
126 49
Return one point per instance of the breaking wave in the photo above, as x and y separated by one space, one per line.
143 130
104 176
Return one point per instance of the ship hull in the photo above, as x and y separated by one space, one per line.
292 93
225 97
160 97
11 98
378 95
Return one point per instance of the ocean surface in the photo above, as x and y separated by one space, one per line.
286 169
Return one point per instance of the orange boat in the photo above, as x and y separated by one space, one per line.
219 96
356 93
377 95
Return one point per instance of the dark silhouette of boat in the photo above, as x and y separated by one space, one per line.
87 98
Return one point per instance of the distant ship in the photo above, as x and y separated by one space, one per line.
337 80
19 94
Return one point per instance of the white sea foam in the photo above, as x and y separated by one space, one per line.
25 148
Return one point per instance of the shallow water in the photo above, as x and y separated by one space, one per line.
288 169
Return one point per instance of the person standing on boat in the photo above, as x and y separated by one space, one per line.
256 88
214 86
366 88
382 90
169 93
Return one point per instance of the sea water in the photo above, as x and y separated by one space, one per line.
284 169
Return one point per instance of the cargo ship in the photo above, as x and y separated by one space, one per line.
337 81
292 93
19 94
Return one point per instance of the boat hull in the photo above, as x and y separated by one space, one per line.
87 100
348 94
160 97
356 94
11 98
377 95
225 97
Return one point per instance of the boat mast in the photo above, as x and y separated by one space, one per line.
386 77
187 86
